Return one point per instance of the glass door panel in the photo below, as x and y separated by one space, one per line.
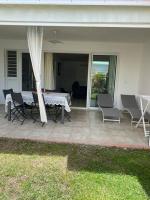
28 80
103 75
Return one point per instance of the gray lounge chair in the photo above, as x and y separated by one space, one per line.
105 104
131 105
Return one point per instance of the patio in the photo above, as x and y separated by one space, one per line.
86 127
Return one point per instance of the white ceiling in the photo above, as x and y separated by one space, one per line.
81 34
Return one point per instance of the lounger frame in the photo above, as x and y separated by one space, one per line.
133 121
108 119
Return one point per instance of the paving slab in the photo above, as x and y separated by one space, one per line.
86 127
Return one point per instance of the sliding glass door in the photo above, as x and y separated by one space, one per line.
103 76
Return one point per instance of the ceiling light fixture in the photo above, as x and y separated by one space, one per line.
54 39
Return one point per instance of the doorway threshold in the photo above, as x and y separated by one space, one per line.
78 108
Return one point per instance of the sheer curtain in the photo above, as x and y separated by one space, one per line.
35 40
112 75
48 72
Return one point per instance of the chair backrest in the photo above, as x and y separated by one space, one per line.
105 101
43 99
5 92
17 99
75 85
35 97
129 101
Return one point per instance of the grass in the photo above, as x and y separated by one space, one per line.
40 171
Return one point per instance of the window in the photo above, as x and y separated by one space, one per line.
11 64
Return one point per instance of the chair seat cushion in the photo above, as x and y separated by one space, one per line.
111 113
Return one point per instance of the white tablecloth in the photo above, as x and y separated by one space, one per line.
52 98
147 98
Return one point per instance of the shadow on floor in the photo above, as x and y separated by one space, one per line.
89 158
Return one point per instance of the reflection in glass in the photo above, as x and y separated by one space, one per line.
103 75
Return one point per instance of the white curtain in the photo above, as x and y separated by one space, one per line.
35 40
112 75
48 71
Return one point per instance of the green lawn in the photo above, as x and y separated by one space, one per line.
40 171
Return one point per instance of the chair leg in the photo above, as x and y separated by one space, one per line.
131 121
16 116
103 119
18 113
43 123
22 122
34 110
6 116
67 115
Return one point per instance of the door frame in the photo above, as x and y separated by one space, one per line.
88 74
90 81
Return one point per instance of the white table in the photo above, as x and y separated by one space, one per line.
52 98
143 111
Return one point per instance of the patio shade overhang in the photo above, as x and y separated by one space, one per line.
78 2
75 15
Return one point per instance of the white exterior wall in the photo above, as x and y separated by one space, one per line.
5 82
128 69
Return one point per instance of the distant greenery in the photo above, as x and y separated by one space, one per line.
98 84
40 171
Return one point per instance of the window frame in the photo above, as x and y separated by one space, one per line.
7 65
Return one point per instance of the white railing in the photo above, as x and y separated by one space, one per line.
80 2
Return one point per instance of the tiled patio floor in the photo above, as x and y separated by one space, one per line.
86 127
